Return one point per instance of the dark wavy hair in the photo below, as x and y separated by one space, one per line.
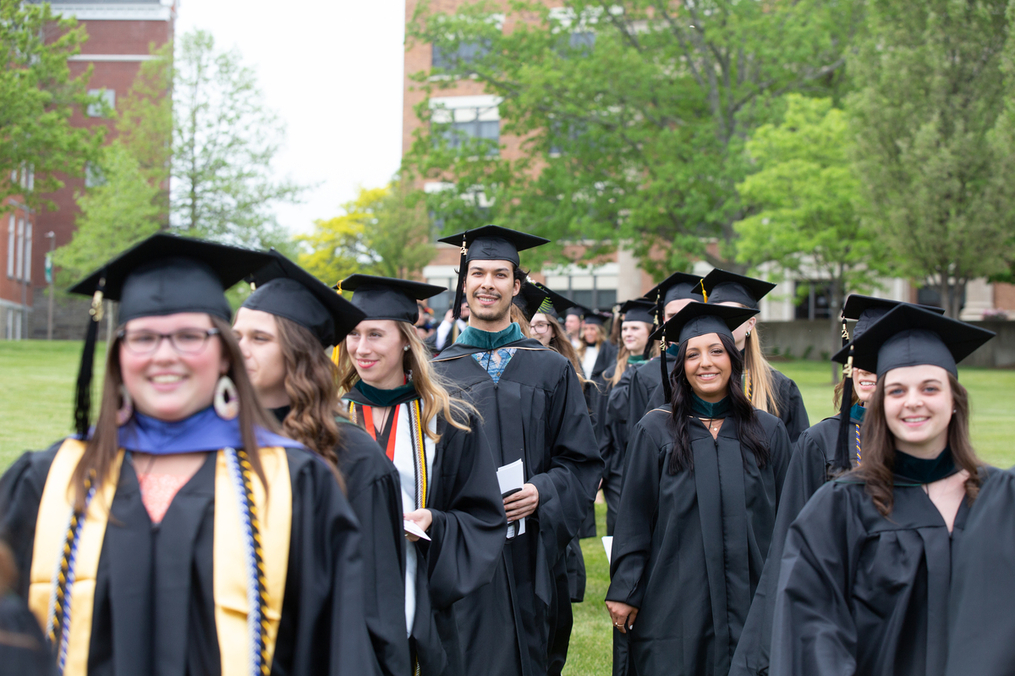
878 468
742 412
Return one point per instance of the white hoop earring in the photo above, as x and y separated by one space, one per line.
126 410
227 400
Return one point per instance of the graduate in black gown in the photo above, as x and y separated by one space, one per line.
637 324
818 457
200 541
448 485
981 633
644 393
533 410
701 489
283 329
866 567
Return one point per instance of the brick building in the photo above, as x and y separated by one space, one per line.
121 35
473 112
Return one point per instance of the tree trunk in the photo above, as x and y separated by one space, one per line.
944 290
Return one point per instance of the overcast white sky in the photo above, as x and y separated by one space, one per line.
332 70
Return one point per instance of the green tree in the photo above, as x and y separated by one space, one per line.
802 203
144 123
934 127
631 116
37 97
224 141
384 231
115 215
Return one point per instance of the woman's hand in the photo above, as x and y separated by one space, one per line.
521 504
622 615
422 518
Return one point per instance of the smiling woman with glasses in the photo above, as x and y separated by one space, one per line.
182 532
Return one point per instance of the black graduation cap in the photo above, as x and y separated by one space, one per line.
678 286
388 297
535 297
578 311
867 309
488 243
911 336
698 319
599 318
723 286
286 290
162 275
638 310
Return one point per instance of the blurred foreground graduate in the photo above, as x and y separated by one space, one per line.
283 329
701 488
534 411
183 535
824 451
867 565
446 474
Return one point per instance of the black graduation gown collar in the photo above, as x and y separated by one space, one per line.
457 350
357 396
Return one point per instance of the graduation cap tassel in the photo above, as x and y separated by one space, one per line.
842 462
845 333
667 390
83 390
456 311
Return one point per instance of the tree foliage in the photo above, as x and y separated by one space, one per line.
933 121
37 99
803 199
224 140
115 215
384 231
629 118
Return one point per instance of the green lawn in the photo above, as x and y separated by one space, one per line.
36 403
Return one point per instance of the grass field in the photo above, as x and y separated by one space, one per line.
36 401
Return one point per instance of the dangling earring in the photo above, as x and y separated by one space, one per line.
227 401
748 334
126 409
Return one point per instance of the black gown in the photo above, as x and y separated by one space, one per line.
689 548
813 453
154 611
981 627
467 536
371 484
613 442
859 593
520 623
646 393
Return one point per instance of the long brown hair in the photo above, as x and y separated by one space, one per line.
879 447
102 448
561 344
432 388
311 383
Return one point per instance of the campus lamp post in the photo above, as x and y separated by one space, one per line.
51 236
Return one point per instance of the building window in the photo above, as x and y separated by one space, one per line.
19 263
594 287
105 105
28 253
817 303
468 118
94 176
11 229
464 54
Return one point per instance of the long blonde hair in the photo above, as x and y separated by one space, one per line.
622 362
758 382
600 339
432 388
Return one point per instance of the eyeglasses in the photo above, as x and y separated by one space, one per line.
540 326
184 341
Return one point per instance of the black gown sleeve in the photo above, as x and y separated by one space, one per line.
632 538
374 493
981 627
804 475
813 629
20 495
329 633
792 411
467 533
638 393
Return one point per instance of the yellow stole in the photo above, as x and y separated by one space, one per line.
273 513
